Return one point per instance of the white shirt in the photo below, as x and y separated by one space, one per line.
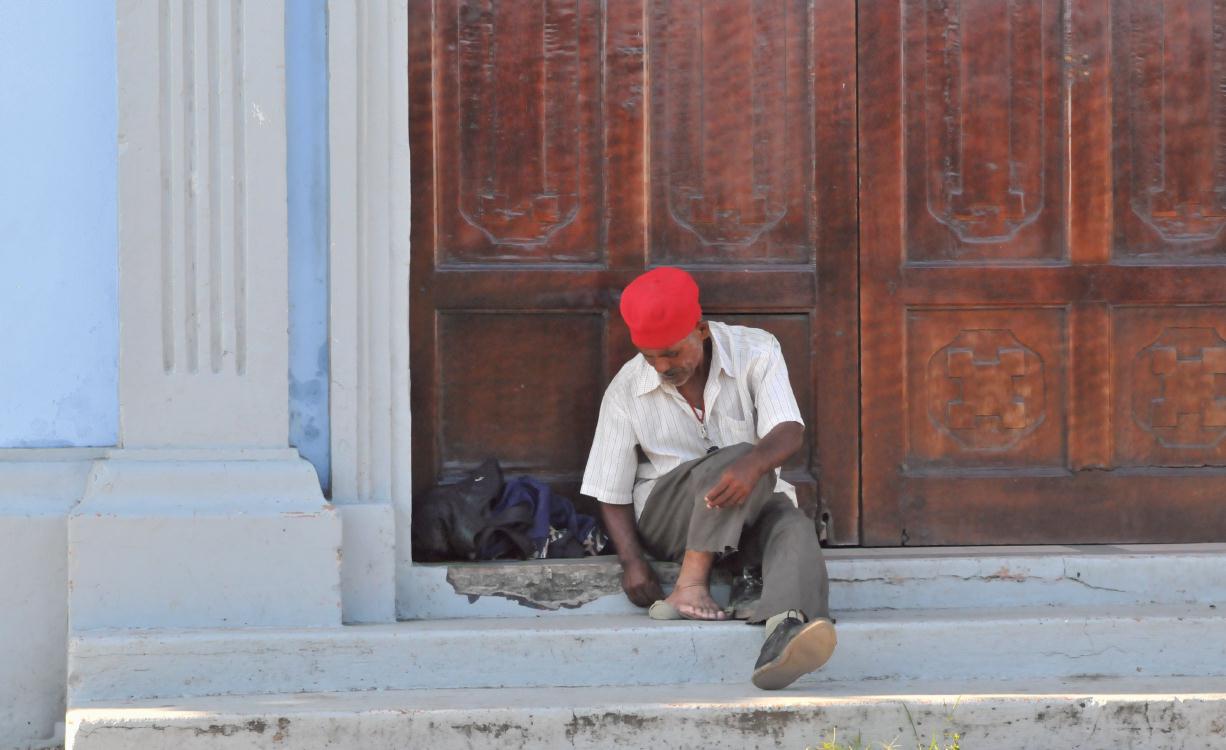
646 428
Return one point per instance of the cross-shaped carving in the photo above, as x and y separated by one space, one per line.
985 390
1191 386
989 388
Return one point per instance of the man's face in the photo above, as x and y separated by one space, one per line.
678 363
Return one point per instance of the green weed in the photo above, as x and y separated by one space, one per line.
949 740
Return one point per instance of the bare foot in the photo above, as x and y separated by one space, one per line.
694 602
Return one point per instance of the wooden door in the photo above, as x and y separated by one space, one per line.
1042 277
562 147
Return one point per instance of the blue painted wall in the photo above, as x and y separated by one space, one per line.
306 61
58 232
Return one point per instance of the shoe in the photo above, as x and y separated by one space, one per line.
793 649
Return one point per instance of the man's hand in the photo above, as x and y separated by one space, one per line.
640 583
638 579
734 485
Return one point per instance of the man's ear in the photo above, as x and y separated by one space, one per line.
704 330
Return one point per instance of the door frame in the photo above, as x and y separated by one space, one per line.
368 285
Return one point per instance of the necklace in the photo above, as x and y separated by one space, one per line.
700 415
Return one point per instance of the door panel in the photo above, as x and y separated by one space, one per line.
1041 283
548 173
512 410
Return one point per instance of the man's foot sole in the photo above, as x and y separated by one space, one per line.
807 651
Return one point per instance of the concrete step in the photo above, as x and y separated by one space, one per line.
1150 713
915 578
1013 643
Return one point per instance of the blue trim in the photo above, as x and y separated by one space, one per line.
306 74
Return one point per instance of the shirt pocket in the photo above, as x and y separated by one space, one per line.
735 431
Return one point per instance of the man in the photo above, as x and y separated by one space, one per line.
685 463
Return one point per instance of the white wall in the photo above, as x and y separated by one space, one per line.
58 234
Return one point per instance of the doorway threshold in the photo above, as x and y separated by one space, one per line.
860 579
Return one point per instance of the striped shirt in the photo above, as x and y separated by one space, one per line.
646 427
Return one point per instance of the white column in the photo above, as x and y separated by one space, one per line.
369 290
205 517
202 217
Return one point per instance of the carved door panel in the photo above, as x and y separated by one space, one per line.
1043 293
560 148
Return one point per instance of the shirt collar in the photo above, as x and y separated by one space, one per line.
648 379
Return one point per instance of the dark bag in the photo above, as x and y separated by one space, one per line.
448 518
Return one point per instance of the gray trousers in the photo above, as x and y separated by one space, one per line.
766 530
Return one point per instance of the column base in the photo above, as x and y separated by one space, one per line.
38 488
368 565
187 539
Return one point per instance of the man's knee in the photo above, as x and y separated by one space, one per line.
761 489
792 526
706 474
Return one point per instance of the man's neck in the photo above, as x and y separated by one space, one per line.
693 388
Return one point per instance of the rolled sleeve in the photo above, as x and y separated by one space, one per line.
611 465
774 401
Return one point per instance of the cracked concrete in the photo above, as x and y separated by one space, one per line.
538 585
551 584
1091 714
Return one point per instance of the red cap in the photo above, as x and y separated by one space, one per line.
661 307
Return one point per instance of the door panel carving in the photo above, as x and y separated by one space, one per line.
1170 74
732 126
983 129
983 121
985 390
988 387
521 175
1173 375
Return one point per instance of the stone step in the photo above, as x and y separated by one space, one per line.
1086 713
917 578
1014 643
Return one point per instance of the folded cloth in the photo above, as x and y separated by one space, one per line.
531 521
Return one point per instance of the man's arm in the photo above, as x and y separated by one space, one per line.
609 477
638 579
738 479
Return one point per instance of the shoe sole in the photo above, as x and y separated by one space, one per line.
806 652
